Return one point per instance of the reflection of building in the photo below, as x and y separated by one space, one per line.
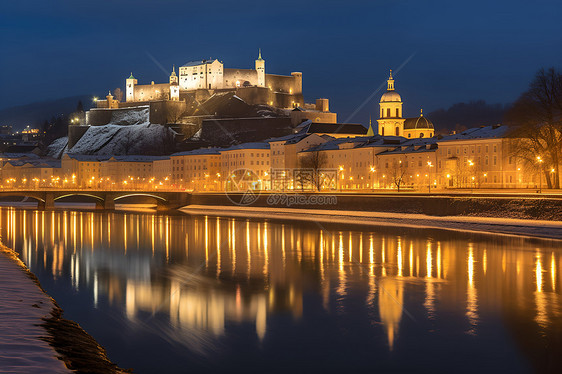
201 274
391 298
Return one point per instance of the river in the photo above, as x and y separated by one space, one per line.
211 294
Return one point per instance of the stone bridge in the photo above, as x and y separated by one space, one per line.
104 199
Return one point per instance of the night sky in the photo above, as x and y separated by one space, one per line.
451 51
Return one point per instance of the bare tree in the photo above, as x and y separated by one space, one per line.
398 171
314 161
536 118
118 94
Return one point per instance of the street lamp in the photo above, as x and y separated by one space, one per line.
429 165
471 180
342 176
540 160
372 171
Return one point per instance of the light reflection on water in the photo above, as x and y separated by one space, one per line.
189 281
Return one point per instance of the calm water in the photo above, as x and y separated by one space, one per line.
200 294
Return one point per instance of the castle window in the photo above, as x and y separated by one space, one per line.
382 133
397 112
421 135
397 131
388 112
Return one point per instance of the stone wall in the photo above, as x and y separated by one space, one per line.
315 116
544 207
103 116
165 111
144 92
283 83
75 133
231 76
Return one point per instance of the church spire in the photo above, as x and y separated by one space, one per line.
259 54
421 112
390 82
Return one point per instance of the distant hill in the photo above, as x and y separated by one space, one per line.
461 116
35 114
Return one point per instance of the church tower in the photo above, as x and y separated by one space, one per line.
391 122
130 88
260 68
173 76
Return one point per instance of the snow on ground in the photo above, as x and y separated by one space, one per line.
22 306
112 139
94 139
506 226
57 147
132 116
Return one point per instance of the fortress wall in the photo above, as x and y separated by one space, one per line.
315 116
242 75
282 83
75 133
254 95
163 112
151 91
284 100
199 95
98 116
103 116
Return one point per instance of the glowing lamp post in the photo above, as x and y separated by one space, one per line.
470 163
342 176
429 166
540 160
372 171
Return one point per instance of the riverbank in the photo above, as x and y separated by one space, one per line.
495 225
489 205
34 337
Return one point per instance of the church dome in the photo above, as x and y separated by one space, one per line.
420 122
390 96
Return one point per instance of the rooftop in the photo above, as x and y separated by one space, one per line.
482 132
198 62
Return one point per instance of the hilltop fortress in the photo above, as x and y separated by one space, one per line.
205 77
198 81
203 90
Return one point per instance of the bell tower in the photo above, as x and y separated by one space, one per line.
260 68
391 122
130 88
173 76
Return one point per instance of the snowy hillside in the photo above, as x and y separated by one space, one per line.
133 116
146 138
57 147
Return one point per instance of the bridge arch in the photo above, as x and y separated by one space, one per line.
140 194
24 195
99 198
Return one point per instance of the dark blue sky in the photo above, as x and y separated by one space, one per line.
461 50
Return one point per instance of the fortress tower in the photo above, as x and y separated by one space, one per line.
391 121
130 88
260 68
173 76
